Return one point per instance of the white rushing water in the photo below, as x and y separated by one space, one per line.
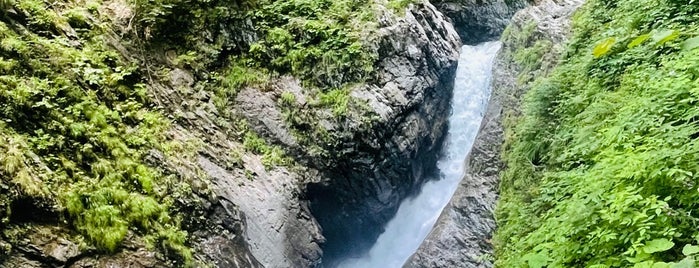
416 216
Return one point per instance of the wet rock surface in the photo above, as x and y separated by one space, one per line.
479 20
461 236
375 164
53 246
384 165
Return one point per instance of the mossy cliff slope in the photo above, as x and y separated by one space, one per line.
212 133
601 165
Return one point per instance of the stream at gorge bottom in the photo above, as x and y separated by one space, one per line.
417 215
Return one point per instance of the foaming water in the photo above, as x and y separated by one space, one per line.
416 216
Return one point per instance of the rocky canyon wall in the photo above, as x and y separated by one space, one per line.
461 236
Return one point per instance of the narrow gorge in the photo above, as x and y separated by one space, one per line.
416 215
341 133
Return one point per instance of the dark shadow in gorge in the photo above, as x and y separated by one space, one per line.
479 21
363 189
352 220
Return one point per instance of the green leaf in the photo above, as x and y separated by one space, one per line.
690 44
664 36
688 262
645 264
639 40
604 47
658 245
536 260
661 265
640 257
690 250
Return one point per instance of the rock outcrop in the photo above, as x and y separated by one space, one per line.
250 214
479 20
376 162
461 237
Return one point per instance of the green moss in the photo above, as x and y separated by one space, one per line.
601 167
287 99
400 5
240 73
530 59
80 109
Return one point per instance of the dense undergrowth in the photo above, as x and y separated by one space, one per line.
319 42
602 166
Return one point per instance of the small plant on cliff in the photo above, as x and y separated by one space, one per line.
400 5
271 155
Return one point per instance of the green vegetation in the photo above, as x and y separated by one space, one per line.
322 43
320 124
602 166
271 155
319 42
337 99
526 48
400 5
75 129
532 59
316 41
77 125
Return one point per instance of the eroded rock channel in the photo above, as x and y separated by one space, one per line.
416 215
361 206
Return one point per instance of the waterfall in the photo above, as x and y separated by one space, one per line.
416 215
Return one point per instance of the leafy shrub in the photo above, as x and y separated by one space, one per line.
318 41
602 166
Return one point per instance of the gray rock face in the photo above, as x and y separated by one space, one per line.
461 237
255 217
479 20
383 165
374 165
280 230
